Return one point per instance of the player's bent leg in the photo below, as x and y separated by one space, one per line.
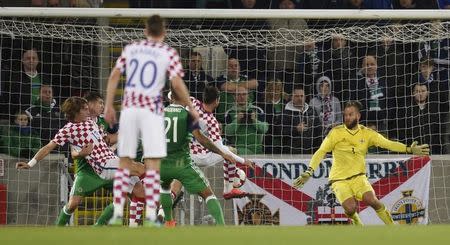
67 210
213 205
151 186
370 199
350 206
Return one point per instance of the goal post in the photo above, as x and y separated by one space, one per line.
395 61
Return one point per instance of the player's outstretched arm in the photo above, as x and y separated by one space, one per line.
415 148
113 81
43 152
419 150
202 139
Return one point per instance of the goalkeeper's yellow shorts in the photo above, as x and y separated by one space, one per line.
354 187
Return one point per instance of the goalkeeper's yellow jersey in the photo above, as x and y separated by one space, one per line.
349 149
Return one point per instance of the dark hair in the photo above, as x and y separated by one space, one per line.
155 26
298 87
18 113
427 61
72 106
210 94
92 96
353 103
195 53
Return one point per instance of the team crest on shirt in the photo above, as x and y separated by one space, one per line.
408 209
257 213
362 141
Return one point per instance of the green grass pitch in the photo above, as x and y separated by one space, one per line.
232 235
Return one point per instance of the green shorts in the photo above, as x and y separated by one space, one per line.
180 167
87 182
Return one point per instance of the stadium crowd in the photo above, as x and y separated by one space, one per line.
281 100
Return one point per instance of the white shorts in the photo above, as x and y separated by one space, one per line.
140 123
109 170
206 160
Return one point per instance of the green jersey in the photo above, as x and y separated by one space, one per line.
178 136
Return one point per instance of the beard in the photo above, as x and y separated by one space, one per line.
351 124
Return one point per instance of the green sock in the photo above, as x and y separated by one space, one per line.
385 216
355 218
105 216
215 210
166 202
64 217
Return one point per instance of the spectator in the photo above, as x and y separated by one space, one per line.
339 64
371 91
355 4
377 4
321 4
391 66
21 84
19 140
438 87
85 3
242 105
425 123
326 105
42 3
195 77
415 4
444 4
230 84
273 105
246 131
45 115
300 125
309 64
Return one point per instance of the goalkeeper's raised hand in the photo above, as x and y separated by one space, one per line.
420 150
301 180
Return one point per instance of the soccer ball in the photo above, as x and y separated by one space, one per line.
240 178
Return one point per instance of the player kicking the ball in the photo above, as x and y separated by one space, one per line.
210 127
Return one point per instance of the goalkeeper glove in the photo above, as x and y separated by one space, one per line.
301 180
419 150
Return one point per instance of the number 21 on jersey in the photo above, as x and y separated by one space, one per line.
171 129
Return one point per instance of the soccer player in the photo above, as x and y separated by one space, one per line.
178 164
88 140
210 127
147 63
349 143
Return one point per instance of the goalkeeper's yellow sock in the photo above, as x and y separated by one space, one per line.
355 218
384 215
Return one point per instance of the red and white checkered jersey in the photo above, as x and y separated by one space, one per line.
82 133
209 127
147 65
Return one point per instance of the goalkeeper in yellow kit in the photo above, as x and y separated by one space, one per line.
349 143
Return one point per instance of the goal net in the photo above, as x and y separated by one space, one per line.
283 82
